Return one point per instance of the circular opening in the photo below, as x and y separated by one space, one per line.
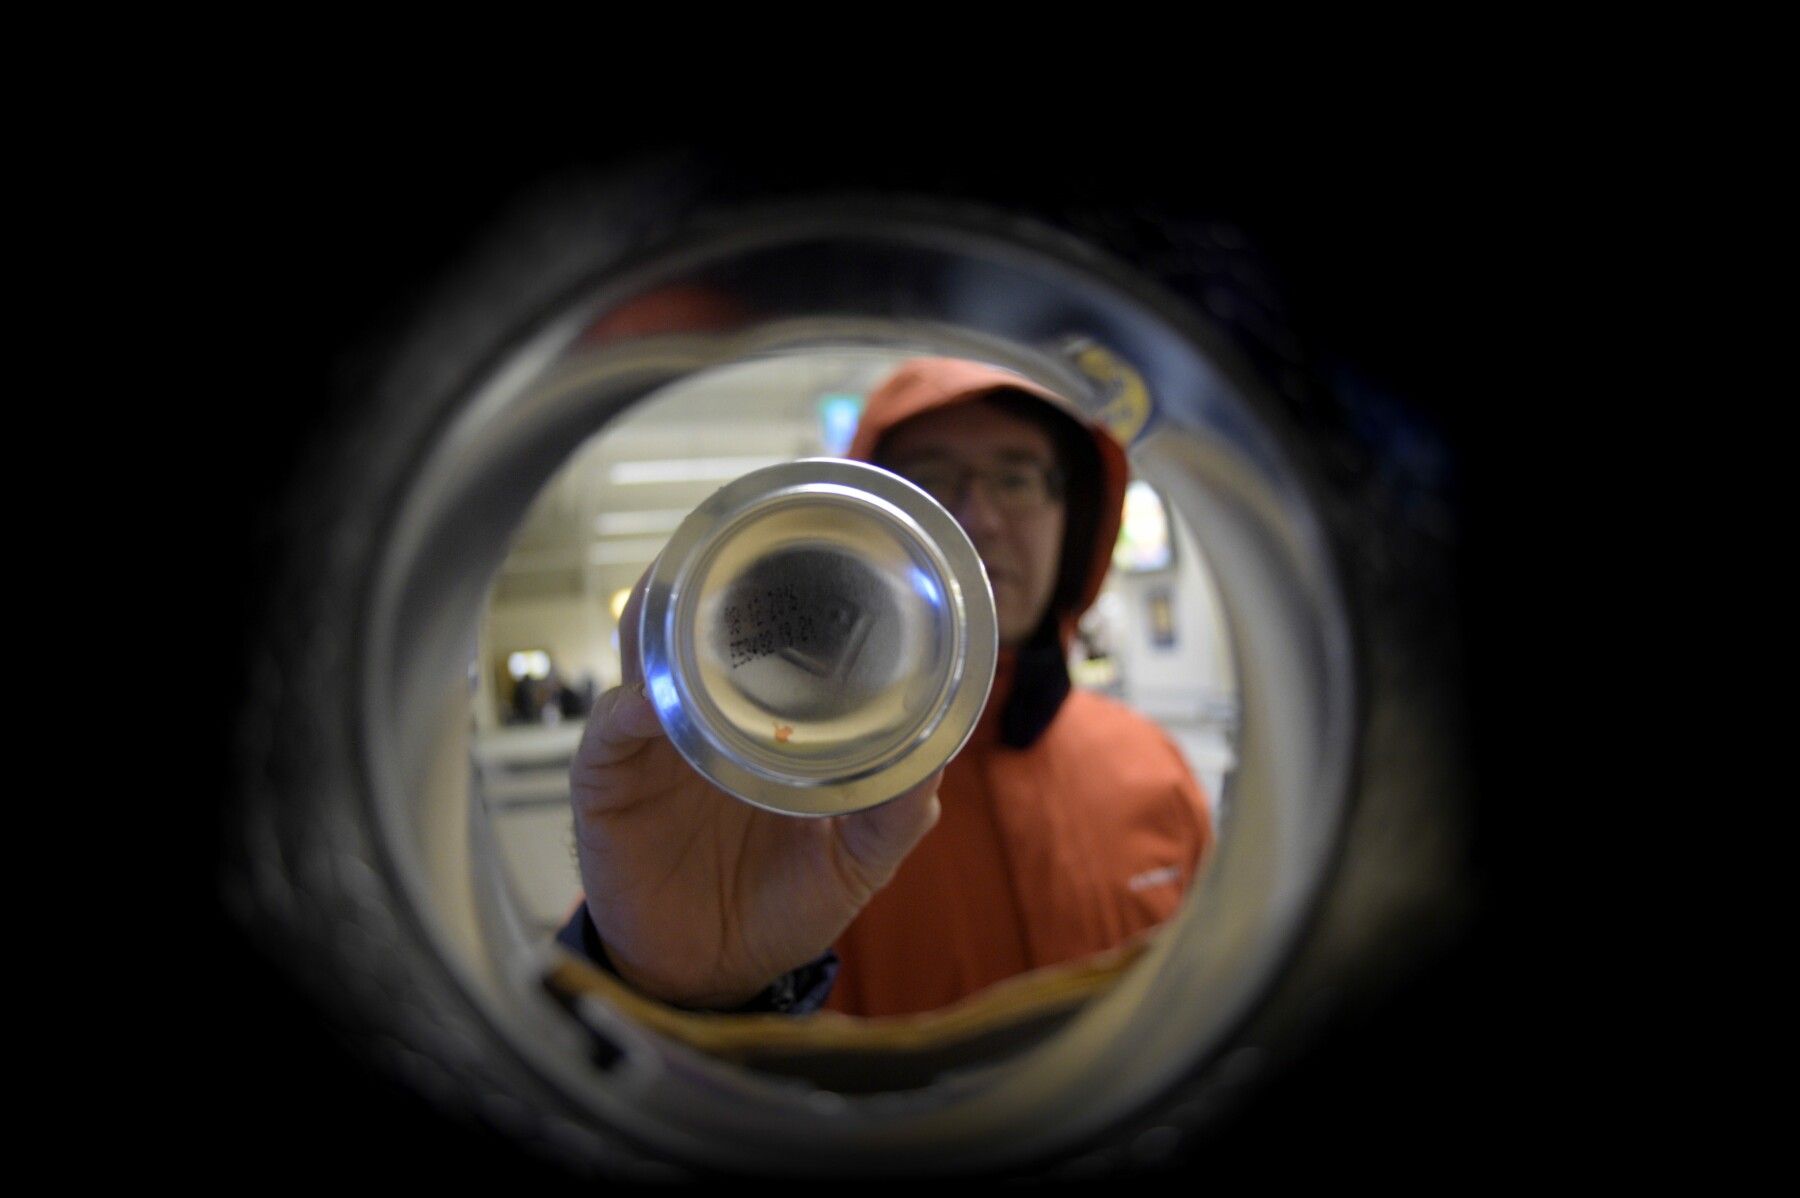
947 285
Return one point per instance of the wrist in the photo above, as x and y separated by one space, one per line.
799 991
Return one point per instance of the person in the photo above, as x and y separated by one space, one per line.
527 701
1066 825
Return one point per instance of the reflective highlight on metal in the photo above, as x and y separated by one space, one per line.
818 637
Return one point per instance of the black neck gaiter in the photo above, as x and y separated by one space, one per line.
1040 684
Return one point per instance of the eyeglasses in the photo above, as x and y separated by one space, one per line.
1017 488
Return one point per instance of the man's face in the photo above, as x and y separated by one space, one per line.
987 468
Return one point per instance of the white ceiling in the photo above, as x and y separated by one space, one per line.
591 532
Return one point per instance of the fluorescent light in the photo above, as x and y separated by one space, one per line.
638 551
615 524
687 470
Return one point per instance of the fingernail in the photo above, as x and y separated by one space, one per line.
643 717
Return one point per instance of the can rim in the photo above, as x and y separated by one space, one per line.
691 718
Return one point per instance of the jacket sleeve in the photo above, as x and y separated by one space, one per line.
799 992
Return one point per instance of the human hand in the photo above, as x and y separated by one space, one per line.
700 898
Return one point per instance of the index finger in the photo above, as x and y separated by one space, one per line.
622 720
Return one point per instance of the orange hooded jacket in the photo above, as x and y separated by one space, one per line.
1070 823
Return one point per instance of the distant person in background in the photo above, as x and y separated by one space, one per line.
1067 825
550 700
572 702
527 701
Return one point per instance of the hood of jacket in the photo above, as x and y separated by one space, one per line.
1036 674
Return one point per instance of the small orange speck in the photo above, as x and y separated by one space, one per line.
782 732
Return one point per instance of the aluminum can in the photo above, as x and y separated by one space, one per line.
818 637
